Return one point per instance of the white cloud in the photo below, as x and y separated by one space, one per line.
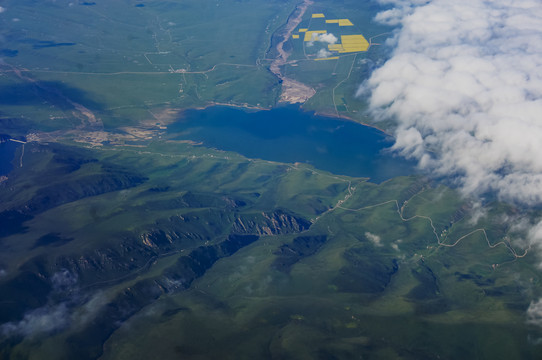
535 235
390 17
328 38
534 313
375 239
41 320
89 310
63 280
400 9
465 86
477 212
50 317
73 309
2 9
323 53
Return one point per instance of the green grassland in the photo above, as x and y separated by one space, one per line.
118 57
319 277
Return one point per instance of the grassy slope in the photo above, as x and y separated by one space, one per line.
445 302
344 294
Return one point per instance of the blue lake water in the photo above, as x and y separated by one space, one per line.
290 135
7 152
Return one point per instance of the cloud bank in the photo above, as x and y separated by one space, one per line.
465 85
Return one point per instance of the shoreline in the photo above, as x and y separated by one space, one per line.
281 104
334 115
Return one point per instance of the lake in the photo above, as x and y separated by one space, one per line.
7 152
290 135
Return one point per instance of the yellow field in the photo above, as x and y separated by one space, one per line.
353 43
328 58
350 43
353 39
345 22
341 22
309 35
335 47
353 49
